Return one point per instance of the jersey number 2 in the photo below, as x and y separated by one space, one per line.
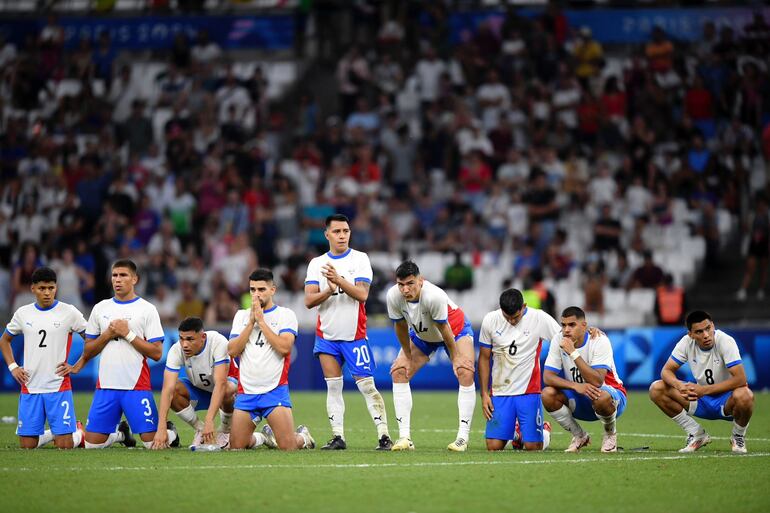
42 340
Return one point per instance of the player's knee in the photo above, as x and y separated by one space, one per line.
63 442
495 445
604 401
657 390
399 375
533 446
550 398
26 443
744 399
465 376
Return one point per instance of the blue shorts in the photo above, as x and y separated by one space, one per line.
200 399
428 348
712 407
260 406
56 407
356 354
527 408
108 405
581 406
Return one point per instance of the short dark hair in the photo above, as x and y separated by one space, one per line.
695 317
406 269
337 217
261 275
43 274
511 301
125 262
574 311
191 324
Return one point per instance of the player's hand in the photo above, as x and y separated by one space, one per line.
330 273
20 375
65 368
461 362
209 435
405 364
120 327
588 390
595 332
257 313
697 390
567 345
687 391
486 406
161 440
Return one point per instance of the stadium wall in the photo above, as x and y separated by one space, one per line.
639 355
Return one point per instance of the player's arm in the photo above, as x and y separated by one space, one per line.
448 337
237 344
358 290
19 374
737 379
93 345
402 334
152 350
485 355
551 379
217 396
282 341
590 375
166 396
314 296
668 375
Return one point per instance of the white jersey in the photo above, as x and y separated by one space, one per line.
516 349
433 306
261 368
596 352
121 367
340 317
708 367
47 341
200 367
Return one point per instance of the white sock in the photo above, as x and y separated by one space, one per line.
77 438
188 415
737 429
689 424
227 420
466 403
565 419
45 438
402 401
114 437
335 406
257 439
608 421
375 404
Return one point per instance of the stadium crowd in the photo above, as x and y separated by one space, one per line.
526 135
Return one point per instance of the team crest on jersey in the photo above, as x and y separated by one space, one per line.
526 333
57 324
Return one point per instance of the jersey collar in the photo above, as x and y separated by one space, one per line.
205 343
336 257
271 309
53 305
585 341
137 298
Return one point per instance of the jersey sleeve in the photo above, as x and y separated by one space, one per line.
601 358
553 360
79 323
174 361
313 276
485 337
364 272
92 326
438 306
394 306
679 354
549 328
220 350
731 355
14 327
288 322
153 328
237 324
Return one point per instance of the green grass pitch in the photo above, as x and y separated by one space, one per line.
428 480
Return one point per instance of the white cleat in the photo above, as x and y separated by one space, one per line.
403 444
197 439
695 442
459 445
269 437
578 442
223 440
305 432
739 444
610 442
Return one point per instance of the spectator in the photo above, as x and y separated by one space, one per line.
648 275
670 303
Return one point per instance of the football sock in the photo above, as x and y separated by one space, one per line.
77 438
565 419
466 403
227 420
114 437
190 417
45 438
609 422
335 406
257 439
402 401
689 424
375 404
739 430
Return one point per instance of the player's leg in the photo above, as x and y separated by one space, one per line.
402 393
31 425
502 426
557 404
330 356
60 412
529 411
605 407
466 393
361 365
228 402
281 421
142 416
242 434
740 406
103 417
184 406
679 409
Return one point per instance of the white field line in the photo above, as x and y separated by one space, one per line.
594 459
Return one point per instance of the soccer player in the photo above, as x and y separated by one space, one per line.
582 382
46 391
125 330
720 392
426 320
338 283
205 385
511 338
263 337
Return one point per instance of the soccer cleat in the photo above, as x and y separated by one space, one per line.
739 444
517 444
385 444
695 442
79 427
459 445
610 442
128 438
170 426
546 435
270 441
335 444
578 442
305 432
197 439
403 444
223 440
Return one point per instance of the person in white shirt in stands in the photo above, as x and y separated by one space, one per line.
46 391
721 391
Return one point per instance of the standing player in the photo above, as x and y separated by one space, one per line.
721 391
204 386
263 337
512 337
126 330
426 320
46 391
582 382
338 284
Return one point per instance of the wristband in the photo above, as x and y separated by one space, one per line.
130 336
13 366
574 355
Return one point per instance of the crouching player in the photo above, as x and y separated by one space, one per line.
205 384
263 337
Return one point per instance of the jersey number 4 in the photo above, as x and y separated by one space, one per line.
419 328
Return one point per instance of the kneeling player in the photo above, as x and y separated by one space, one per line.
721 391
204 386
582 382
263 337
